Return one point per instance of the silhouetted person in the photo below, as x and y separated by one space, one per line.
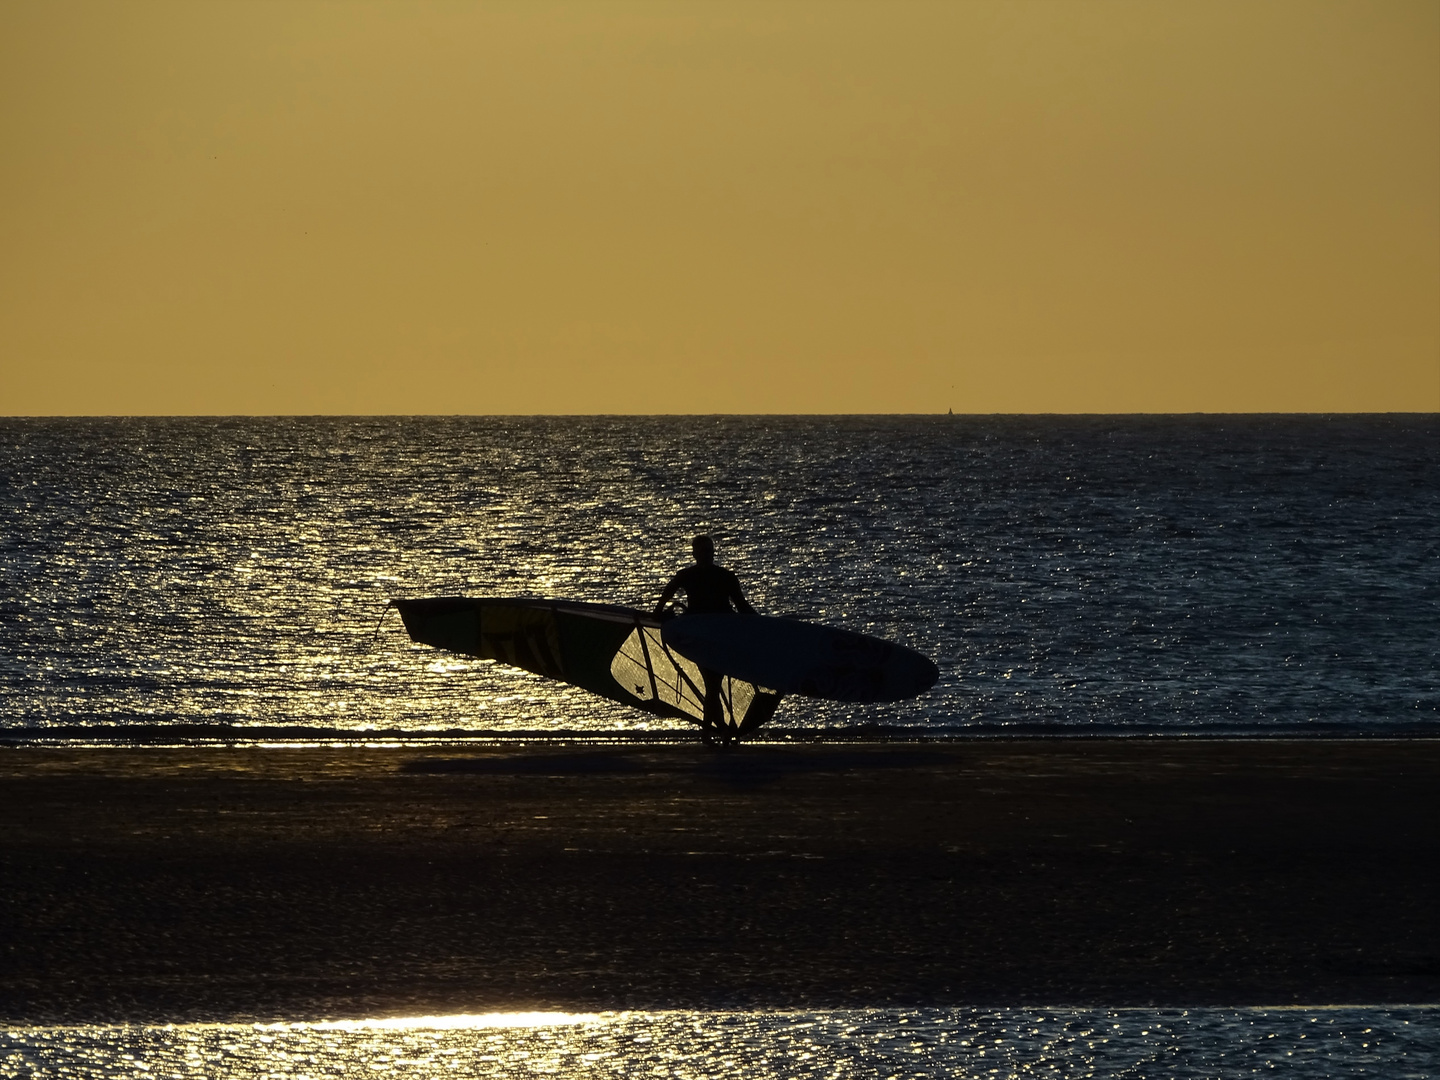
709 590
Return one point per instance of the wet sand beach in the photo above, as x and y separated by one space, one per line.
305 882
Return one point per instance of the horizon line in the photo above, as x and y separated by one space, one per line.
714 415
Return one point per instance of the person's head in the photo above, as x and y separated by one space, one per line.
704 549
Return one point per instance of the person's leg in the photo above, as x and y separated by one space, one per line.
714 720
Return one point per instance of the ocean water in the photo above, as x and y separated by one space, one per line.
1198 574
1308 1044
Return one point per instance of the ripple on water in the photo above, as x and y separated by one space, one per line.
1393 1042
1164 571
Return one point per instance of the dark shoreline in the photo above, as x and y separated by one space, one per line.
305 882
188 734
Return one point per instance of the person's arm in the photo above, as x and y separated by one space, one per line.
741 604
665 595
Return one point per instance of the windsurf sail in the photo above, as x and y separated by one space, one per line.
616 652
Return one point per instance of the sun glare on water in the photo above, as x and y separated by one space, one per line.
866 1044
460 1021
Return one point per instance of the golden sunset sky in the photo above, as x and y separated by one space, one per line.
618 207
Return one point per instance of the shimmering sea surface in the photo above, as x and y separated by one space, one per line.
1067 573
1396 1044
